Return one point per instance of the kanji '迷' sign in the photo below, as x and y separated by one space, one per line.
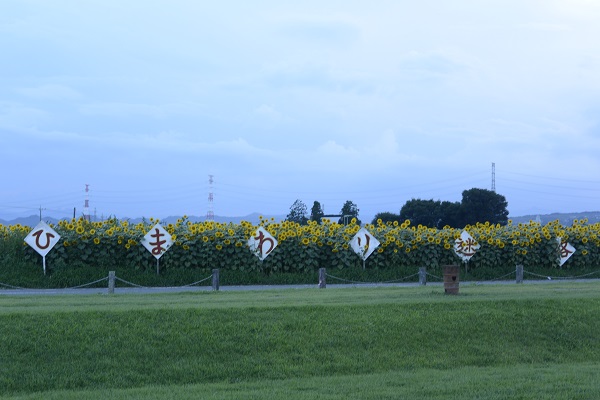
262 243
465 246
42 239
157 241
565 251
364 244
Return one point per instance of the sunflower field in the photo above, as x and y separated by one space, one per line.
306 248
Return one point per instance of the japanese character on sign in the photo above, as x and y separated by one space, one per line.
42 238
262 243
465 246
157 241
565 251
364 243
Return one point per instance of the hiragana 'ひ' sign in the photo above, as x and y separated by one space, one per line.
465 246
157 241
364 243
262 243
42 239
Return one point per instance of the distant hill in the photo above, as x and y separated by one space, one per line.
254 218
565 219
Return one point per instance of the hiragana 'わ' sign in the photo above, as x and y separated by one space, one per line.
565 251
364 243
262 243
42 239
465 246
157 241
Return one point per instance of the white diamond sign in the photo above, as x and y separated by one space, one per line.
157 241
465 246
42 238
565 251
364 244
262 243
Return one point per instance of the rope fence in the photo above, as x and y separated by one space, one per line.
561 277
323 275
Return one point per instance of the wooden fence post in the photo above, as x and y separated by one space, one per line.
322 278
519 273
215 279
422 276
111 282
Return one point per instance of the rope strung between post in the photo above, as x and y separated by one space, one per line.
129 283
434 276
89 284
200 281
10 286
503 276
561 277
359 282
401 279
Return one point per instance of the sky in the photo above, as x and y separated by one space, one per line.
373 102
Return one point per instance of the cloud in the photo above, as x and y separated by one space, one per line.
140 109
50 92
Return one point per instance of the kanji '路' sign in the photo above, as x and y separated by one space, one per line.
565 251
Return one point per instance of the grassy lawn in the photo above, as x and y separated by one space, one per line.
489 342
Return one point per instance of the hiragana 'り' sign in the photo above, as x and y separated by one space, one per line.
157 241
262 243
565 251
364 243
465 246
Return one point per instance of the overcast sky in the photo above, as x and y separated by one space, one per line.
376 102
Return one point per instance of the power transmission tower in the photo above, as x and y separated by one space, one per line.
210 214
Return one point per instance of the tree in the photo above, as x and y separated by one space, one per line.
349 210
298 213
451 214
316 212
482 205
422 212
386 217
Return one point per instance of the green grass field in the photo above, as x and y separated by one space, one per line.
489 342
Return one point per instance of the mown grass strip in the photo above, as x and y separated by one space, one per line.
108 342
526 382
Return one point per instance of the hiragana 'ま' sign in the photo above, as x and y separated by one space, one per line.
42 239
157 241
364 243
262 243
565 251
465 246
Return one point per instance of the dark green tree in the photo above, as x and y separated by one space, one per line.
349 210
298 212
482 205
451 214
422 212
386 217
316 212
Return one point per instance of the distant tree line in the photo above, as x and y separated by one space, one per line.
299 213
477 205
